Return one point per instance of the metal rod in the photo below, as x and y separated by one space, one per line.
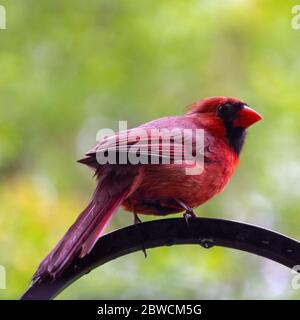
167 232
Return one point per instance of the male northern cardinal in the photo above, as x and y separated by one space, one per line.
156 189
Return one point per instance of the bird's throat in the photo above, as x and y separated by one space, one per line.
236 137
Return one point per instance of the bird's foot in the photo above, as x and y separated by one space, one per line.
188 215
136 221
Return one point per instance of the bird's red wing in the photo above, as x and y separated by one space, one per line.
158 144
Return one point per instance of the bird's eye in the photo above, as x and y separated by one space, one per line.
222 110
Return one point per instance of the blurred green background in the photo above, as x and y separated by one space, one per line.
69 68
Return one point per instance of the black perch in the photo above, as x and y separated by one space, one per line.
205 232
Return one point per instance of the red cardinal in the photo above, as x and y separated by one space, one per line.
156 189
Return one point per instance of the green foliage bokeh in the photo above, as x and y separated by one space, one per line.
69 68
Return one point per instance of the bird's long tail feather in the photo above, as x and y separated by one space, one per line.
82 235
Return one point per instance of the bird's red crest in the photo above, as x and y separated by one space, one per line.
211 104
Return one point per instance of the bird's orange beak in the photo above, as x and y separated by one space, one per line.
246 117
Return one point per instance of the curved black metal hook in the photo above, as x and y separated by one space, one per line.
166 232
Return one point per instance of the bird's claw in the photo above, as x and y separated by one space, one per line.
136 221
188 215
145 253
